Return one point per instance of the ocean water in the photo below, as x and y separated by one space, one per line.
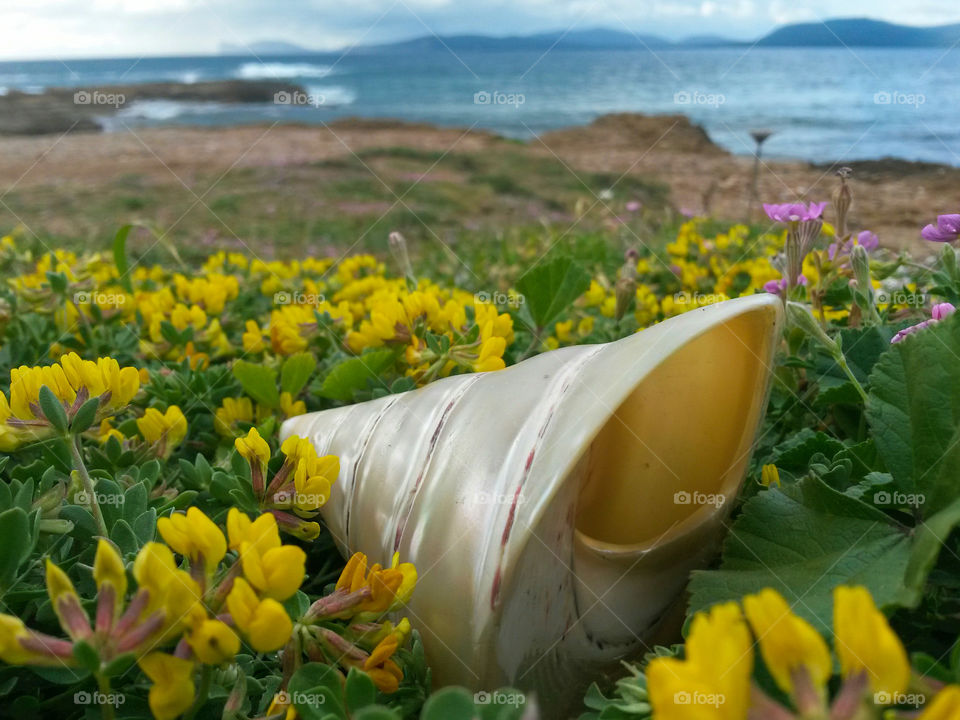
822 104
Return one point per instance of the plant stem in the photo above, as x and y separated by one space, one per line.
842 363
88 487
206 679
106 707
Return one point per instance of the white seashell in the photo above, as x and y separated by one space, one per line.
555 509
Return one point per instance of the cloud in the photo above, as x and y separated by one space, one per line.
71 28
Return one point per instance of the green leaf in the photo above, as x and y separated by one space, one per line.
914 412
450 703
315 691
375 712
16 541
120 257
53 409
296 372
360 690
85 416
86 655
258 381
551 287
930 536
803 542
352 374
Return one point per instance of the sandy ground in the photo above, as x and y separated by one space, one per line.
892 198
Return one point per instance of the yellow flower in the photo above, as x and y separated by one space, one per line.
262 532
291 408
865 643
384 672
195 536
213 642
164 430
275 570
253 338
171 590
389 588
264 622
562 330
105 432
788 643
491 355
173 690
12 630
108 569
253 448
770 476
945 706
232 411
278 572
696 687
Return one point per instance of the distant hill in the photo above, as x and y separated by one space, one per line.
595 39
860 32
851 32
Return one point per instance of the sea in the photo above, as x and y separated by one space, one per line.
821 104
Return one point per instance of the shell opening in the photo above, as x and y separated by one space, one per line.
679 443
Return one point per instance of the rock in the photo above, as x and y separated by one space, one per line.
60 110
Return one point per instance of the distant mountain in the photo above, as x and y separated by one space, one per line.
264 47
595 39
860 32
851 32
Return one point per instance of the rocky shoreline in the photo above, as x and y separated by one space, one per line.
60 110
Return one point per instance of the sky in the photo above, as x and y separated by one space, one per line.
35 29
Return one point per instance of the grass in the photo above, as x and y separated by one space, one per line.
434 198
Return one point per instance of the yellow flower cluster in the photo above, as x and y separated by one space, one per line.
715 674
73 382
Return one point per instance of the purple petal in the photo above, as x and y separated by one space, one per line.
949 223
941 310
774 287
868 240
935 234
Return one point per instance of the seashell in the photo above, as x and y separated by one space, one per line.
554 509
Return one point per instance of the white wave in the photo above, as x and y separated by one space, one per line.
4 90
189 77
332 95
266 71
160 110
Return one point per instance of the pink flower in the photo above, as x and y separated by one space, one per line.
633 205
794 212
865 239
937 313
947 229
779 287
